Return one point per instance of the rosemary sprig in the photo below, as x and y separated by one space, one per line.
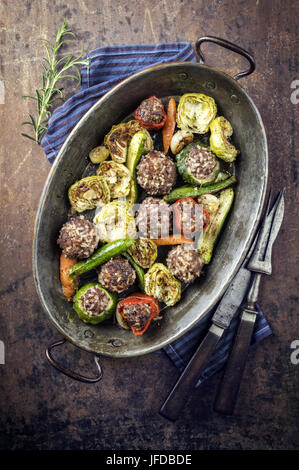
54 70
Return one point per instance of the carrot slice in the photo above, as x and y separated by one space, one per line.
169 126
176 239
68 285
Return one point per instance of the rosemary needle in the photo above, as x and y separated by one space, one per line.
54 69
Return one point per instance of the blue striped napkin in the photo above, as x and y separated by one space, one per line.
109 66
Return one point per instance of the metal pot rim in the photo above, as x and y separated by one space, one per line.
105 97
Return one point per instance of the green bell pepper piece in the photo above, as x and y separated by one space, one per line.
103 254
181 159
138 269
107 313
194 191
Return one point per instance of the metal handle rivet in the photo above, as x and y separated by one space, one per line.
183 76
88 334
116 343
235 99
210 85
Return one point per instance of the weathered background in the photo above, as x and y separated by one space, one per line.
42 409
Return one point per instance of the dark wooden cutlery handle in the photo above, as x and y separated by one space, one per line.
230 383
183 388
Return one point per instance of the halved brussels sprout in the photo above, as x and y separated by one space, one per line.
196 112
115 221
117 176
221 129
144 252
88 193
161 284
119 137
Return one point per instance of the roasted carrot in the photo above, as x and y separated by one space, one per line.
169 126
176 239
68 285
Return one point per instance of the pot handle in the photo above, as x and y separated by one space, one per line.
69 372
227 45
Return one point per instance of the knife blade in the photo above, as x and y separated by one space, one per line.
221 319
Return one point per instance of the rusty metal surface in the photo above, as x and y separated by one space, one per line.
42 409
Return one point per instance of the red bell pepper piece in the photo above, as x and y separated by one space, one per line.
139 298
150 125
181 227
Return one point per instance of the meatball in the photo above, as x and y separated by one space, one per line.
117 275
200 162
151 111
137 315
184 263
78 238
154 218
156 173
94 301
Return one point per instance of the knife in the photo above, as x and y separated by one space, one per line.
259 263
221 319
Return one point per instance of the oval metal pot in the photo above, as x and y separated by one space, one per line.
171 79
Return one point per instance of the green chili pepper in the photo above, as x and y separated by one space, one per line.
83 314
194 191
138 269
103 254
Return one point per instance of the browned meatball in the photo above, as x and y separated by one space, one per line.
154 218
184 263
117 275
78 238
156 173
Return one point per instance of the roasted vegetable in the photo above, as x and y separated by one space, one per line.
151 114
138 269
135 151
210 234
197 164
169 126
69 285
222 176
103 254
176 239
94 304
136 312
196 112
117 177
144 252
221 130
88 193
180 140
115 220
98 154
209 202
161 284
119 137
194 191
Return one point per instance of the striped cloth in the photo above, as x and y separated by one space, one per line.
109 66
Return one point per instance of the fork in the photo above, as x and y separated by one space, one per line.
259 263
